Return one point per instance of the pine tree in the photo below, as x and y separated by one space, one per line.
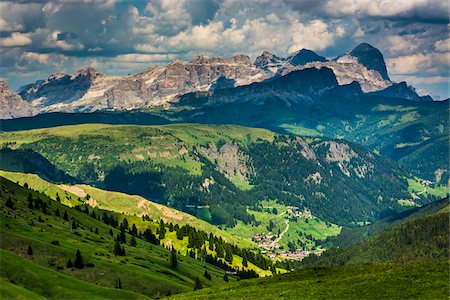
244 260
69 264
30 250
9 203
78 261
118 250
96 230
207 275
133 242
225 277
30 201
118 283
198 284
134 230
57 197
229 256
66 216
173 258
57 212
180 234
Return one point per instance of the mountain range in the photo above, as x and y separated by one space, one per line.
88 90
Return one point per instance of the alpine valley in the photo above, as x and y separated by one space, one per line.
207 172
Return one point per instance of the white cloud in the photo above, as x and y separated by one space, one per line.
442 45
282 35
144 58
425 63
16 39
35 57
9 26
402 44
380 8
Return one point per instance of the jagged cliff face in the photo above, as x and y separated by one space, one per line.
88 90
347 70
12 105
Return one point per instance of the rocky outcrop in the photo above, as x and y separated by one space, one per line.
12 105
304 56
371 58
361 70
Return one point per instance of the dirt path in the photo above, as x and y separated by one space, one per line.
275 242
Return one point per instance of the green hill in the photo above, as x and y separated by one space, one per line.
414 281
40 236
216 172
419 235
408 260
350 236
119 203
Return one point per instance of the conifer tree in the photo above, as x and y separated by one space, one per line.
30 201
133 242
118 283
30 250
69 263
78 261
173 258
198 284
9 203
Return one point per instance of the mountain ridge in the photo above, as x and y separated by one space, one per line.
88 90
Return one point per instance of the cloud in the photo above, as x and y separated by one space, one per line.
442 45
422 63
16 39
144 58
417 10
403 44
35 57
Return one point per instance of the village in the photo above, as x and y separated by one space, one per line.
269 241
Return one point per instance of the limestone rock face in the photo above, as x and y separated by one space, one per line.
88 90
12 105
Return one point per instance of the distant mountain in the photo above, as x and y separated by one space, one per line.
269 62
12 105
371 58
402 91
88 90
304 56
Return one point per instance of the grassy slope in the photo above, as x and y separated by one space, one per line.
350 236
121 203
348 282
144 269
143 142
133 207
32 281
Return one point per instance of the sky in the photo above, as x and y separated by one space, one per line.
39 38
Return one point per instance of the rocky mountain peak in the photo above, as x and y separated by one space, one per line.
206 60
268 60
371 58
88 73
304 56
12 105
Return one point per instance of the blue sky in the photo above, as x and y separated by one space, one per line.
38 38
